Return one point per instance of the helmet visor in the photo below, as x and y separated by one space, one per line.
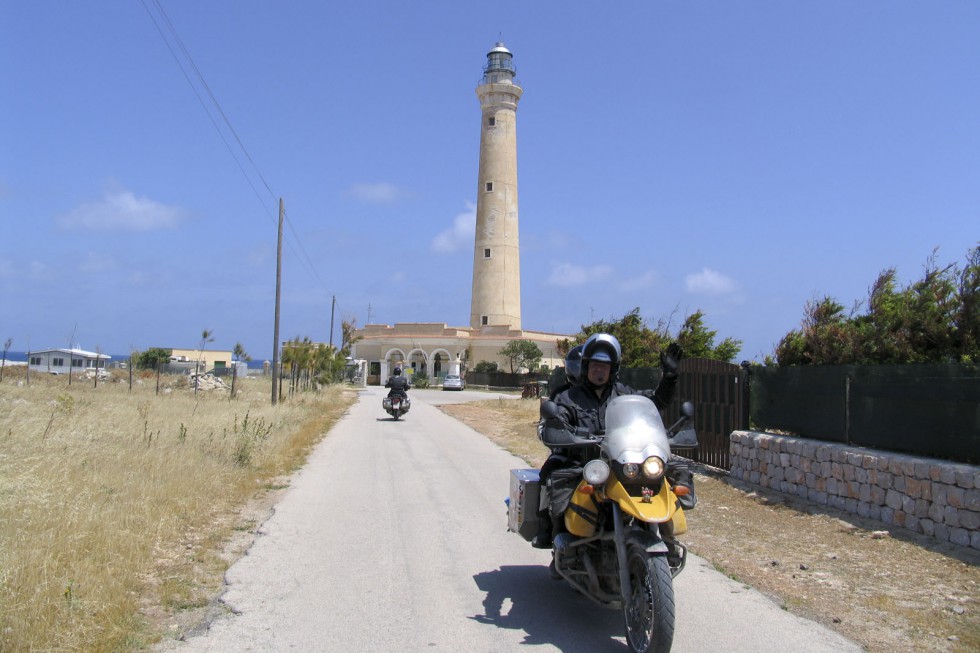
601 356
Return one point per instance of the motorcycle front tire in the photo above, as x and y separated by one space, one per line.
649 614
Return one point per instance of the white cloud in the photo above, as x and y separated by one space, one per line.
259 255
40 271
458 236
95 262
376 193
567 275
710 282
645 280
120 210
137 278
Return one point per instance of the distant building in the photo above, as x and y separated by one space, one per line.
60 361
438 349
216 360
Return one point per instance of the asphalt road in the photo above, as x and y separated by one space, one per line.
393 538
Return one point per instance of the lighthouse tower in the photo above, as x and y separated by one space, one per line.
496 298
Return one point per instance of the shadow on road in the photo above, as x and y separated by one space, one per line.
548 611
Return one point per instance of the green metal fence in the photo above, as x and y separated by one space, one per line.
929 410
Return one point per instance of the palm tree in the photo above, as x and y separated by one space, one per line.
6 346
206 336
240 354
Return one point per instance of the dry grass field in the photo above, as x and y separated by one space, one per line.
120 510
899 592
115 504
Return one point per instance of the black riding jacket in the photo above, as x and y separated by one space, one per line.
580 407
398 385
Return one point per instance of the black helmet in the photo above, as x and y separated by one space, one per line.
397 371
573 364
602 347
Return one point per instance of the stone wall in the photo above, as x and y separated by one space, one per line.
925 495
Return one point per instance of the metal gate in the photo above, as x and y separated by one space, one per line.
719 391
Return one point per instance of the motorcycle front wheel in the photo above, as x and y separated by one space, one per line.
649 612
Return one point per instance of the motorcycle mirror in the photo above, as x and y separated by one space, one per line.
687 409
549 409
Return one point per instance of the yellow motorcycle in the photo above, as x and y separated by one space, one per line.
621 514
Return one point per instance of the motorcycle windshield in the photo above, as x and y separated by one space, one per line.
634 430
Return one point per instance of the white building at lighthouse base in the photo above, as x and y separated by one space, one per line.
438 349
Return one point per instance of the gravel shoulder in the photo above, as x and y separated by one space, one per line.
886 589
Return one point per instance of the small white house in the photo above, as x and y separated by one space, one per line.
59 361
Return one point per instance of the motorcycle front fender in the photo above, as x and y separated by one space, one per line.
648 540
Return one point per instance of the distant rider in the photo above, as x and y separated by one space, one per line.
398 384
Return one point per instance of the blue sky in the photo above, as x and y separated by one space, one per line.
740 158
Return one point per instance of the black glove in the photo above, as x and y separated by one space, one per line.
670 359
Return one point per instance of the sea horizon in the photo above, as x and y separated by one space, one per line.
21 357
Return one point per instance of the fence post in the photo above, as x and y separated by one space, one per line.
745 398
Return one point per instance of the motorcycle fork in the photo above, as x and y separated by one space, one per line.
625 590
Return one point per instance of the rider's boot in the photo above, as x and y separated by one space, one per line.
542 539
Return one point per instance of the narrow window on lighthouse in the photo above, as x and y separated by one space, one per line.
484 320
491 121
486 253
489 186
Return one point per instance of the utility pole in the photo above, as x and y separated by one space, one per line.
333 305
275 331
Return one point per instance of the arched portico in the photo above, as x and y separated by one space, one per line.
393 358
418 361
441 364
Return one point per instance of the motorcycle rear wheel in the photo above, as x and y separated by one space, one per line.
649 614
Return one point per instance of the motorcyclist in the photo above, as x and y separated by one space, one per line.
397 383
558 458
584 405
573 370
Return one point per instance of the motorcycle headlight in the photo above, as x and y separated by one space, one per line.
631 470
596 472
653 467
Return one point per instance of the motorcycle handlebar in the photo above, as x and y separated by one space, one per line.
553 436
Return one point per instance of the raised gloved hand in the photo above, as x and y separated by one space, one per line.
670 359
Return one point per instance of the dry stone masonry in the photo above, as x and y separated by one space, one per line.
925 495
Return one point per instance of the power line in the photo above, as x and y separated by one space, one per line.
217 105
205 107
301 255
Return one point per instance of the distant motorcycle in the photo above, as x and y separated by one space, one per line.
621 514
396 405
